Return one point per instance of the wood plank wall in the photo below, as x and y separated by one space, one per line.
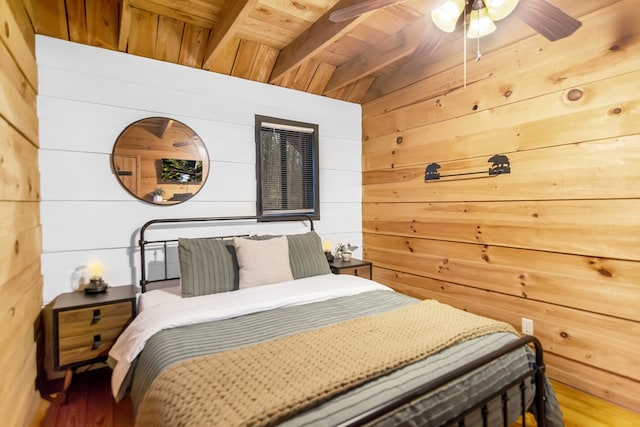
557 239
20 235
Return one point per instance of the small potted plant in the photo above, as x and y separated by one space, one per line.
157 194
345 250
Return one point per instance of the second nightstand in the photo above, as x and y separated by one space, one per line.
86 326
355 267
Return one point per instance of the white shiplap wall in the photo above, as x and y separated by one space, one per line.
88 95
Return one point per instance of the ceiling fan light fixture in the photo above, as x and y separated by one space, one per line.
500 9
446 16
480 24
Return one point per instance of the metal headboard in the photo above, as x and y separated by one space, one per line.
142 242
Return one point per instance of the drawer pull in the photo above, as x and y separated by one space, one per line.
355 272
96 342
96 316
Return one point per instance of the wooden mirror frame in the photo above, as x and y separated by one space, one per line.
160 155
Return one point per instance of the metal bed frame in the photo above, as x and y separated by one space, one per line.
143 243
536 371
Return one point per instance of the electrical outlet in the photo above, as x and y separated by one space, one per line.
527 326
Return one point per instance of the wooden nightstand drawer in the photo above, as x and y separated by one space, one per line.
89 346
355 267
93 320
362 271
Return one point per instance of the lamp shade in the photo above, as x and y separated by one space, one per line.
500 9
446 16
95 269
480 24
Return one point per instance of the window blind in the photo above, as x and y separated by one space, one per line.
288 169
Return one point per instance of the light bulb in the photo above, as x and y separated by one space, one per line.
480 24
500 9
95 270
446 16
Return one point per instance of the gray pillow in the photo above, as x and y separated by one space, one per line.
306 255
207 266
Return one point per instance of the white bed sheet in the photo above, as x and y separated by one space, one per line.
163 310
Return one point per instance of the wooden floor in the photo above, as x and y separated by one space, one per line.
89 403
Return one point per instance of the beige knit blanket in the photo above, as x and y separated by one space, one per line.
262 384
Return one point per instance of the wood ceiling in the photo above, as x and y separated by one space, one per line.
290 43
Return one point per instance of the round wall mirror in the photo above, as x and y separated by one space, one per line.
160 161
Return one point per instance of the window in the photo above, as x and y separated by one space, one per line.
286 168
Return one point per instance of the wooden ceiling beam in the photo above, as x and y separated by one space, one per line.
226 57
313 40
396 46
227 26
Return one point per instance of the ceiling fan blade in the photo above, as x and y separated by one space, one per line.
547 19
358 9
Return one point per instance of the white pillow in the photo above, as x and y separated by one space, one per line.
262 262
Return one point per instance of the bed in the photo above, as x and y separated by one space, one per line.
259 332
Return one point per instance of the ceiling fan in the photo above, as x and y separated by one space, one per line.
541 15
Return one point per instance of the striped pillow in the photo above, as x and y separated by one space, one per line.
207 266
306 255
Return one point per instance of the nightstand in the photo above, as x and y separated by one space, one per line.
354 267
85 326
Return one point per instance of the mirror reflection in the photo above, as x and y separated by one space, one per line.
160 161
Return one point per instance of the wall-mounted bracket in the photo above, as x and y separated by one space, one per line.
500 165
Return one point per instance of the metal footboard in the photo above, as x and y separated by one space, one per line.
536 372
